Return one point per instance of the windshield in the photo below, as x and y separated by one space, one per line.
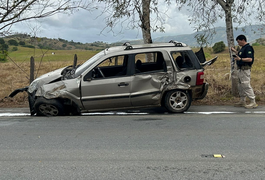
88 63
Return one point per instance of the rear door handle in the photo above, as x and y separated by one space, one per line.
123 84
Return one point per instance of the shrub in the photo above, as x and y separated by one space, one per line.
14 48
13 42
22 43
2 41
218 47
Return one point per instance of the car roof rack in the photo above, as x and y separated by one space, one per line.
178 44
128 46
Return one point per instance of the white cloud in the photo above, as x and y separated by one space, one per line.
84 26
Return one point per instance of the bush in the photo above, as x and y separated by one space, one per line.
2 41
22 43
29 46
13 42
218 47
3 56
14 48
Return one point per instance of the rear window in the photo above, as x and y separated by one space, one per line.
185 59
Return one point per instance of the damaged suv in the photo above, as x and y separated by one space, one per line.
123 77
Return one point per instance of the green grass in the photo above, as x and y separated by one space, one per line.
24 54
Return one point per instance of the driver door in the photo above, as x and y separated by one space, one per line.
105 87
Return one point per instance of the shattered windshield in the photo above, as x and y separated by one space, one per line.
88 63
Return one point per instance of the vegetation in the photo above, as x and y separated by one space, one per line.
217 75
219 47
25 40
15 11
3 50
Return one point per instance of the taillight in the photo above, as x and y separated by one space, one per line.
200 78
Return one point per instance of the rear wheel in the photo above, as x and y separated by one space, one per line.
48 107
177 101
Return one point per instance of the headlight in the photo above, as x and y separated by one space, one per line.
33 86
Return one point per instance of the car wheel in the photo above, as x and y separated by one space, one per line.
48 107
177 101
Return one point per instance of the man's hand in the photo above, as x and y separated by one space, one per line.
233 49
236 57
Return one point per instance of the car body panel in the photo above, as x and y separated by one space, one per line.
147 89
106 93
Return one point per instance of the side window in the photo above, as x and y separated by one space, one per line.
112 67
147 62
181 59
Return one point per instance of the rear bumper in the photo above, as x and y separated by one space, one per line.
199 92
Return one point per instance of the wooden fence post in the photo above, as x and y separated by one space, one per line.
32 67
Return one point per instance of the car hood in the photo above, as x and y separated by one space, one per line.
45 79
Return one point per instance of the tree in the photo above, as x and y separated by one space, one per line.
13 42
136 13
22 43
3 52
14 11
2 41
207 12
219 47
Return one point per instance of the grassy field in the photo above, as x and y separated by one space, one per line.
15 73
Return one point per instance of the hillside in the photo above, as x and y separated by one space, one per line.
26 40
252 33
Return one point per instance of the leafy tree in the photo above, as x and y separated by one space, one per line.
13 42
2 41
14 11
22 43
205 13
3 52
134 14
219 47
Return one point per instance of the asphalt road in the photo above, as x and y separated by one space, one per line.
223 143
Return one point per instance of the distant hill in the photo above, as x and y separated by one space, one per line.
26 40
252 33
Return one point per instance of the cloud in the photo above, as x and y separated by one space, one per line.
85 27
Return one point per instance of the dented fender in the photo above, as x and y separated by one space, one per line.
67 89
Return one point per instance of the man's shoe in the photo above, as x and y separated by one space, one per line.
251 105
240 104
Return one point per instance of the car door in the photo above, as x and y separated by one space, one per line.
107 86
149 79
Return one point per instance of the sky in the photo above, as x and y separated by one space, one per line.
88 27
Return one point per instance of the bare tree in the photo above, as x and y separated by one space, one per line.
134 14
207 12
14 11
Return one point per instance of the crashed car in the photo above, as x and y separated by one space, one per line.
162 74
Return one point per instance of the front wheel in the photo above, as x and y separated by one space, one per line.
48 107
177 101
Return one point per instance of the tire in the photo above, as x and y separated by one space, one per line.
177 101
48 107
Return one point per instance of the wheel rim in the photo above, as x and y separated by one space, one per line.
48 110
178 100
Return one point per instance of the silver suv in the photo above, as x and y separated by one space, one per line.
123 77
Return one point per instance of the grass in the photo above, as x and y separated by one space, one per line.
14 76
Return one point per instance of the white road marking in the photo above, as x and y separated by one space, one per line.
135 113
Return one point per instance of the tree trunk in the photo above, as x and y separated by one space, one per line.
230 42
145 22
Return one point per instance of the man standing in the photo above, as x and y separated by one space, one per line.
244 60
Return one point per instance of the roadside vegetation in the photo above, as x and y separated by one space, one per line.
15 73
